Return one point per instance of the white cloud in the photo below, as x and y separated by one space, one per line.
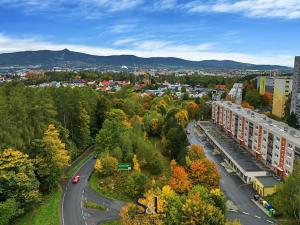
124 41
87 9
289 9
143 49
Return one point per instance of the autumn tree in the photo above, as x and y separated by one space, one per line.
197 211
17 180
180 181
98 166
136 165
247 105
51 159
182 117
108 165
193 110
153 122
204 172
194 152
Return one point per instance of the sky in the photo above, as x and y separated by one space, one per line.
252 31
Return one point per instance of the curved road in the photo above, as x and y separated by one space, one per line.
73 210
236 191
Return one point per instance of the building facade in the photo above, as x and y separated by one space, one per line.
265 85
295 105
235 94
282 89
273 143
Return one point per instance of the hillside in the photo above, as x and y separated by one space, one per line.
66 57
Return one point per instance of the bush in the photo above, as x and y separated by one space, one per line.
109 165
136 184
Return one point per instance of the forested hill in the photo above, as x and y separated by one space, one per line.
66 57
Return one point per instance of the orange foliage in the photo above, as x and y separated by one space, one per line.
247 105
180 181
267 98
192 109
204 172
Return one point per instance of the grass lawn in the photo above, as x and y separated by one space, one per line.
79 164
45 213
111 187
93 205
112 222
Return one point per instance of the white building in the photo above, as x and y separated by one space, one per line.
274 143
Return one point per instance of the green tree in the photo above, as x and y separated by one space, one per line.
82 135
287 198
8 209
175 142
136 184
254 98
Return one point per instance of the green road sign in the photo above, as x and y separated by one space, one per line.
124 166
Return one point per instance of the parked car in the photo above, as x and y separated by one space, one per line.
256 197
76 179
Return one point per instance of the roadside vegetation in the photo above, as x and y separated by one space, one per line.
286 200
93 205
42 130
46 212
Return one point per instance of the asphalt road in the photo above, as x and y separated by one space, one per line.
73 210
236 191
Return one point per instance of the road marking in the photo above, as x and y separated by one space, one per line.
257 216
63 200
62 209
245 213
269 221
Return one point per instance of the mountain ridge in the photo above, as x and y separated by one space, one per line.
65 56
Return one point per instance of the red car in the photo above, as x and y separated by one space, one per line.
76 179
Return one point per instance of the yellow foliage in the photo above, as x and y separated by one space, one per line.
167 191
173 164
136 165
182 117
59 155
98 166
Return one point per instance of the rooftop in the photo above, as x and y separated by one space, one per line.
242 157
267 181
276 127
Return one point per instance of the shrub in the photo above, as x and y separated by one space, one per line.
109 165
136 184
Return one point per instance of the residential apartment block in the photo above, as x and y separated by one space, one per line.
265 85
235 94
273 143
282 89
295 107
